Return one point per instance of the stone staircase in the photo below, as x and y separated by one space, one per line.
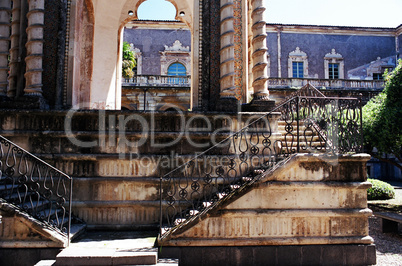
266 193
116 173
137 172
307 204
34 201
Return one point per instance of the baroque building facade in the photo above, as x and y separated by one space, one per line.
339 60
88 65
60 58
162 79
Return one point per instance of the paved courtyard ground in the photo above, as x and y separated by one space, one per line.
388 245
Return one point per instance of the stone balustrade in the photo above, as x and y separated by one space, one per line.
327 83
156 80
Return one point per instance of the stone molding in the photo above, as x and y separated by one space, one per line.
297 56
177 53
334 58
177 46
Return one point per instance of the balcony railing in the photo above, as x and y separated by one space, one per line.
327 83
158 81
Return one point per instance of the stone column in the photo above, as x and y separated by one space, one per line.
227 58
259 61
33 75
5 10
259 55
14 49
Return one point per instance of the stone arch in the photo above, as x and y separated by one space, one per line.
178 10
105 89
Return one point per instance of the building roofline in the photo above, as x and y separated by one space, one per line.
333 26
154 20
384 31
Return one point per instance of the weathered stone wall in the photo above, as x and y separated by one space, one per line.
114 157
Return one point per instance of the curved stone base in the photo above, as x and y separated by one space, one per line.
259 106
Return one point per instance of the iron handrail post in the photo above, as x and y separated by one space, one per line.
69 213
361 123
297 123
160 206
145 98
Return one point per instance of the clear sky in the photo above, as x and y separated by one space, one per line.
364 13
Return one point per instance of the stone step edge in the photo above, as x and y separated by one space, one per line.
105 256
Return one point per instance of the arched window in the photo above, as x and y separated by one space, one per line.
177 69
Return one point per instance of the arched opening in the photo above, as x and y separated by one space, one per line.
95 47
161 41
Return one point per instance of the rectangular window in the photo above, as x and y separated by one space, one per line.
298 69
377 76
333 71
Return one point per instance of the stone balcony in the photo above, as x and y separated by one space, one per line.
156 93
278 83
282 87
157 81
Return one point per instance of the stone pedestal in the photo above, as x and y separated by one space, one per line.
311 210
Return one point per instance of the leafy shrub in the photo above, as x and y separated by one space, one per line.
380 190
129 61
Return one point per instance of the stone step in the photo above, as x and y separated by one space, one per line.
104 256
161 262
111 248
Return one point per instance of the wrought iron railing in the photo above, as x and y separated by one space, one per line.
311 123
35 187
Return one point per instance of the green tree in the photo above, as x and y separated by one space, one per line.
129 61
382 119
